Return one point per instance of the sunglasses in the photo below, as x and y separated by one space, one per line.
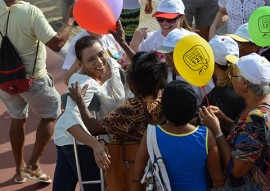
160 19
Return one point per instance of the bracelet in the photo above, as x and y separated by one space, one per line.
218 136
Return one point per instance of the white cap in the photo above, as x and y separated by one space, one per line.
253 67
172 39
170 9
241 34
223 46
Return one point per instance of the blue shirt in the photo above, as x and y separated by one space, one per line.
185 158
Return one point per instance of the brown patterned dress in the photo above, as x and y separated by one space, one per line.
134 116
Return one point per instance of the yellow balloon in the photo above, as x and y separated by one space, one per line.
194 60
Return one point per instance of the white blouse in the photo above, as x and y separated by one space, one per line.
239 12
111 93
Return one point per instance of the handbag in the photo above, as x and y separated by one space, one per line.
122 165
123 158
155 174
13 77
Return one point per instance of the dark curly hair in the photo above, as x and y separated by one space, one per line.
147 73
179 102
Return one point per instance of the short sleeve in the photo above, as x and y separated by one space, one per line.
42 28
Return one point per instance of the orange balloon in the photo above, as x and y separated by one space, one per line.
94 15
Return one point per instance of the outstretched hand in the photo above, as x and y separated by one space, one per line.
209 119
101 155
119 34
76 93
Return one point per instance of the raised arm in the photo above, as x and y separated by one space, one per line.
240 167
119 36
220 19
59 40
92 124
148 7
225 122
138 37
73 69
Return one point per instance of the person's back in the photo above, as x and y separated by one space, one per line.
184 157
188 151
24 30
25 25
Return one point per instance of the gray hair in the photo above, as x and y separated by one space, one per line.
259 89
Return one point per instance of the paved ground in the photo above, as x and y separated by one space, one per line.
52 11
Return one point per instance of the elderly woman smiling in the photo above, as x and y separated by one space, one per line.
246 152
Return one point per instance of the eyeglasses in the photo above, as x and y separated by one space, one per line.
161 19
234 76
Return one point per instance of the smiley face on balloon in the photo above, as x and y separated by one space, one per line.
97 16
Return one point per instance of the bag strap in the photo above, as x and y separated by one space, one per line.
155 144
165 178
149 142
6 25
37 44
33 72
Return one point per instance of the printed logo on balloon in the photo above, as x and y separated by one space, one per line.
259 26
197 59
97 16
194 60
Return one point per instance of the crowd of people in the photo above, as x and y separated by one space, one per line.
214 138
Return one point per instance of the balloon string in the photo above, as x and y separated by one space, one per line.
206 97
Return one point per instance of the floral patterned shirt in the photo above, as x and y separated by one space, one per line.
239 12
250 141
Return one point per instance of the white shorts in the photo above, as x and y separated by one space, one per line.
42 98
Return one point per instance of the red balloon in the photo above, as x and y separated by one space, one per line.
94 15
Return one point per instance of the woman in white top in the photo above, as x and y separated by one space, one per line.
169 15
101 73
236 12
72 65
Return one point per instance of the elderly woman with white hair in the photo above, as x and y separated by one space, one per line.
246 152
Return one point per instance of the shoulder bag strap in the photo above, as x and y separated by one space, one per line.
160 161
7 22
6 25
155 144
33 72
149 142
